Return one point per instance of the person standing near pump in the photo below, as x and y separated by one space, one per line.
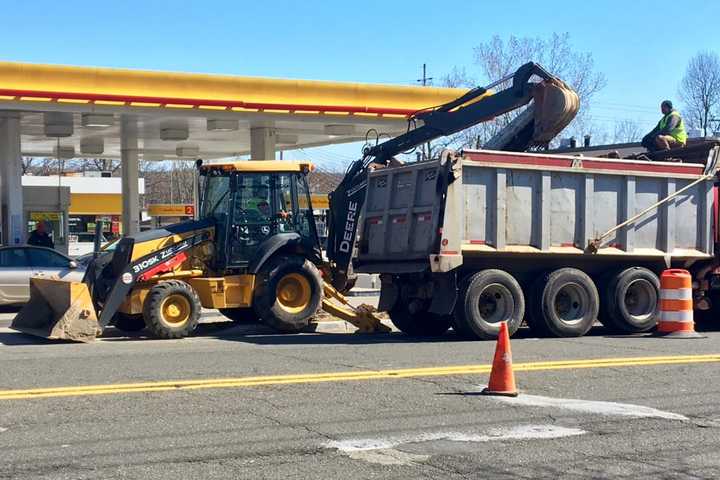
669 132
39 237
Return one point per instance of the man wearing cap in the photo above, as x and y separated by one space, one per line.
669 132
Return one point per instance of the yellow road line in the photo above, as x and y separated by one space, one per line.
240 382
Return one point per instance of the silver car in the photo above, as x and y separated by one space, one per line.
18 264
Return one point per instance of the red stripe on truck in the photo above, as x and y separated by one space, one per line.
582 163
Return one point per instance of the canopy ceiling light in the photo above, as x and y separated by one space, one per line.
92 146
338 130
222 125
174 133
58 124
187 150
286 139
97 120
64 152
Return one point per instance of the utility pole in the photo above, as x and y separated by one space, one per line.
424 81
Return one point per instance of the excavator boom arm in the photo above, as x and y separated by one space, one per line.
555 106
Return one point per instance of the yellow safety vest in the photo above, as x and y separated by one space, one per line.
678 133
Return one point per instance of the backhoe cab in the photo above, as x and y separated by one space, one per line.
253 254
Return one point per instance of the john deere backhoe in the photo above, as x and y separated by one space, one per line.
254 252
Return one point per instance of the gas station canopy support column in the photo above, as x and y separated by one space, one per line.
13 231
262 143
129 167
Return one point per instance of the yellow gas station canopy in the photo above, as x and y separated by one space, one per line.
216 112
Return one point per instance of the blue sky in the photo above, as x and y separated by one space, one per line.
641 46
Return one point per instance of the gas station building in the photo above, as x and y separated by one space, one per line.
81 112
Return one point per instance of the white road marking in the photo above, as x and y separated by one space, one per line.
3 429
522 432
387 456
591 406
381 451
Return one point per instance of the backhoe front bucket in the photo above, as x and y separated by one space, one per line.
58 310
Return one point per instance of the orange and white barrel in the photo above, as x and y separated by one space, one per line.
676 303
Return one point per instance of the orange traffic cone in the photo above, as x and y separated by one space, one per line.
502 378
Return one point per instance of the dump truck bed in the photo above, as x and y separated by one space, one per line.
480 203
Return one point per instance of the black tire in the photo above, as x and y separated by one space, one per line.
565 304
458 321
631 301
129 323
291 312
172 309
420 324
486 299
709 319
241 315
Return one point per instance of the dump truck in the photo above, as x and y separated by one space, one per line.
479 237
254 252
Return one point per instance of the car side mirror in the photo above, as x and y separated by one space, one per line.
73 264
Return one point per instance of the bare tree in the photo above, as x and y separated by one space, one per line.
627 131
28 164
40 166
99 165
498 58
168 182
700 89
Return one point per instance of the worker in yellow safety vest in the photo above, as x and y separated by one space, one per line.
669 132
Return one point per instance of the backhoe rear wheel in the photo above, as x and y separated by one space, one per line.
288 293
172 309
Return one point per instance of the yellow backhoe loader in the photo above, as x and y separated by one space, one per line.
254 251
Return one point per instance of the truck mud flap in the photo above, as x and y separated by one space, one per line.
445 293
58 310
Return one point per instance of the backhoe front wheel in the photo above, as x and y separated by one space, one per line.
172 309
288 294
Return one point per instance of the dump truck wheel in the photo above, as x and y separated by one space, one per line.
419 324
565 304
288 294
631 301
239 315
128 322
486 299
172 309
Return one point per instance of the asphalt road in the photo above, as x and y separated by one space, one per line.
242 403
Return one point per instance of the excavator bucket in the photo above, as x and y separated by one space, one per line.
556 105
58 310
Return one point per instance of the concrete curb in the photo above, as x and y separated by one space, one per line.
363 293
